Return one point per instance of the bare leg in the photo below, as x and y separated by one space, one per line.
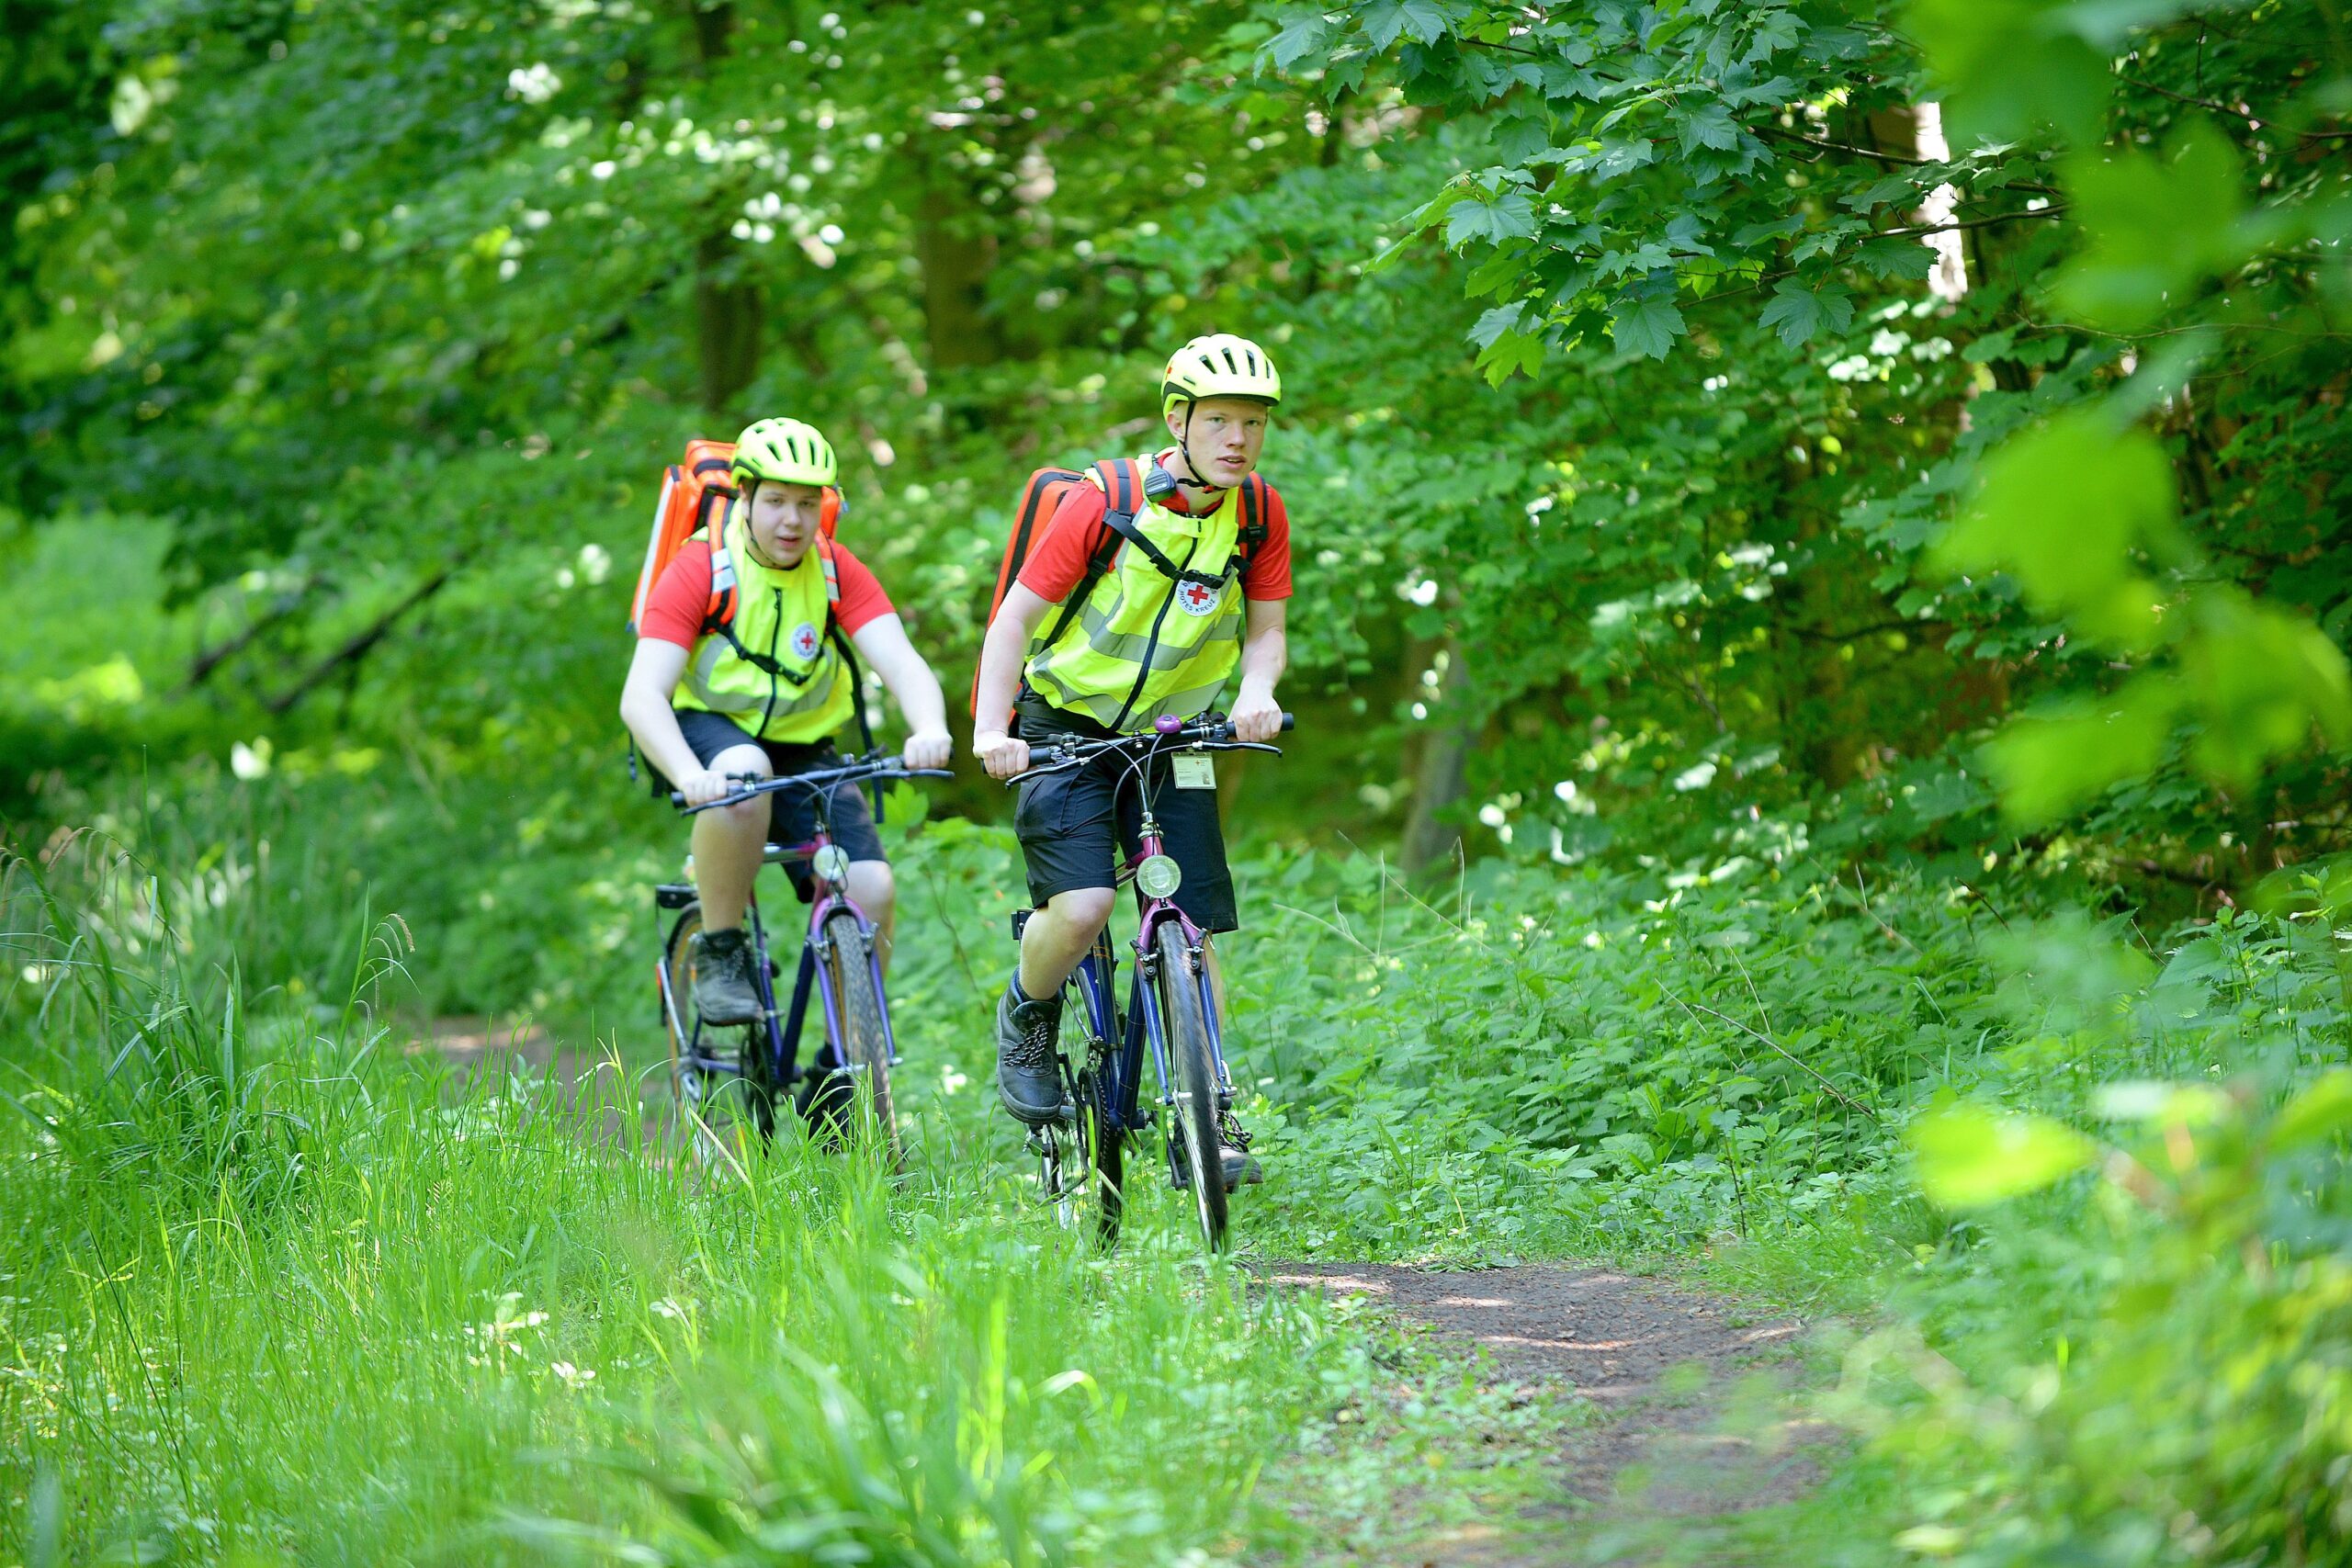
1216 981
876 892
727 841
1058 936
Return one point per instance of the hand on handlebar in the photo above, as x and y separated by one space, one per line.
703 786
999 753
1256 719
927 749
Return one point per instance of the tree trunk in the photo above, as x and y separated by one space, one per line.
728 313
728 317
1441 774
956 252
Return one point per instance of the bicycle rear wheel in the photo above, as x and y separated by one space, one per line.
696 1095
1198 1164
864 1045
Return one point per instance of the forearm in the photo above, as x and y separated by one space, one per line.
1263 659
651 720
920 699
1000 653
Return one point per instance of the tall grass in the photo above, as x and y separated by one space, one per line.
274 1292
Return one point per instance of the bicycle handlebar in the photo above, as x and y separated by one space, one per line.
755 784
1216 736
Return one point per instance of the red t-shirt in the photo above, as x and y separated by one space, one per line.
1057 561
674 609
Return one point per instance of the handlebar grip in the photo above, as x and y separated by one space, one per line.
1290 721
677 798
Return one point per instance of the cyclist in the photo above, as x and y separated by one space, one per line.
1144 644
763 695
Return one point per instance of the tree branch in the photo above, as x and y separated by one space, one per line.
1898 159
2052 210
201 668
362 642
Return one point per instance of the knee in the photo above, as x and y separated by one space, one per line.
735 761
876 889
1084 911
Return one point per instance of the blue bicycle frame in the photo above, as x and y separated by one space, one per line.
1122 1049
781 1027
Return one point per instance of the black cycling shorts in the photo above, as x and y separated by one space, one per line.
792 813
1064 821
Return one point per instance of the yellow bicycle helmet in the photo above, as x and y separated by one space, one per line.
784 450
1219 366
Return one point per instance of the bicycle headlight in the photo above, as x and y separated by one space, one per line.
831 863
1159 876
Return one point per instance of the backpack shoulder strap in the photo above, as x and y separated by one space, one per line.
1121 482
718 611
1255 500
830 567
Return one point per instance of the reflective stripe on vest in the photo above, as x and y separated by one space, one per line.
1144 645
781 615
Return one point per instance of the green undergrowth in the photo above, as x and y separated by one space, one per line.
279 1287
273 1294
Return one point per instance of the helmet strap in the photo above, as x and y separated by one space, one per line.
1192 480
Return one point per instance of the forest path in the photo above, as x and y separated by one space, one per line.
1692 1394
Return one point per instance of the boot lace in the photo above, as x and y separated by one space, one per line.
1032 1049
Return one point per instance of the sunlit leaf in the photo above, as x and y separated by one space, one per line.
2322 1109
1971 1155
2065 510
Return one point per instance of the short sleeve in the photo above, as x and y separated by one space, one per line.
862 601
1057 562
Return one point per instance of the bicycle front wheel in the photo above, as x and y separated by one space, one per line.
1198 1164
864 1045
1098 1136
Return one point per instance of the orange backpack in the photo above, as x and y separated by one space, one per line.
694 498
695 493
1126 490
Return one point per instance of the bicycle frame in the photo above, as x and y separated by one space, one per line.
783 1026
1120 1044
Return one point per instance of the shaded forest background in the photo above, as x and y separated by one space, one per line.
1639 357
1833 511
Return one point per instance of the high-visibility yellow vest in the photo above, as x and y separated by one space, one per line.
1144 644
785 618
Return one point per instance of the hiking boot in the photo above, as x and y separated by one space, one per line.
1028 1078
1233 1153
723 990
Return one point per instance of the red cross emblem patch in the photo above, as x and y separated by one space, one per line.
1197 598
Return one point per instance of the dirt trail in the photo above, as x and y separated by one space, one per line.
1691 1388
491 1048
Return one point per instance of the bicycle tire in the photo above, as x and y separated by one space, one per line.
865 1047
1193 1069
687 1087
1103 1148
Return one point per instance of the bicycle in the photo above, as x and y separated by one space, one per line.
851 1076
1171 1010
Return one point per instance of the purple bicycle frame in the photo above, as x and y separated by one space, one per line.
1143 1023
783 1026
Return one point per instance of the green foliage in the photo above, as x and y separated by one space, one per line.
272 1290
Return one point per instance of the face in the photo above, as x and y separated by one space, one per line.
1224 436
784 519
